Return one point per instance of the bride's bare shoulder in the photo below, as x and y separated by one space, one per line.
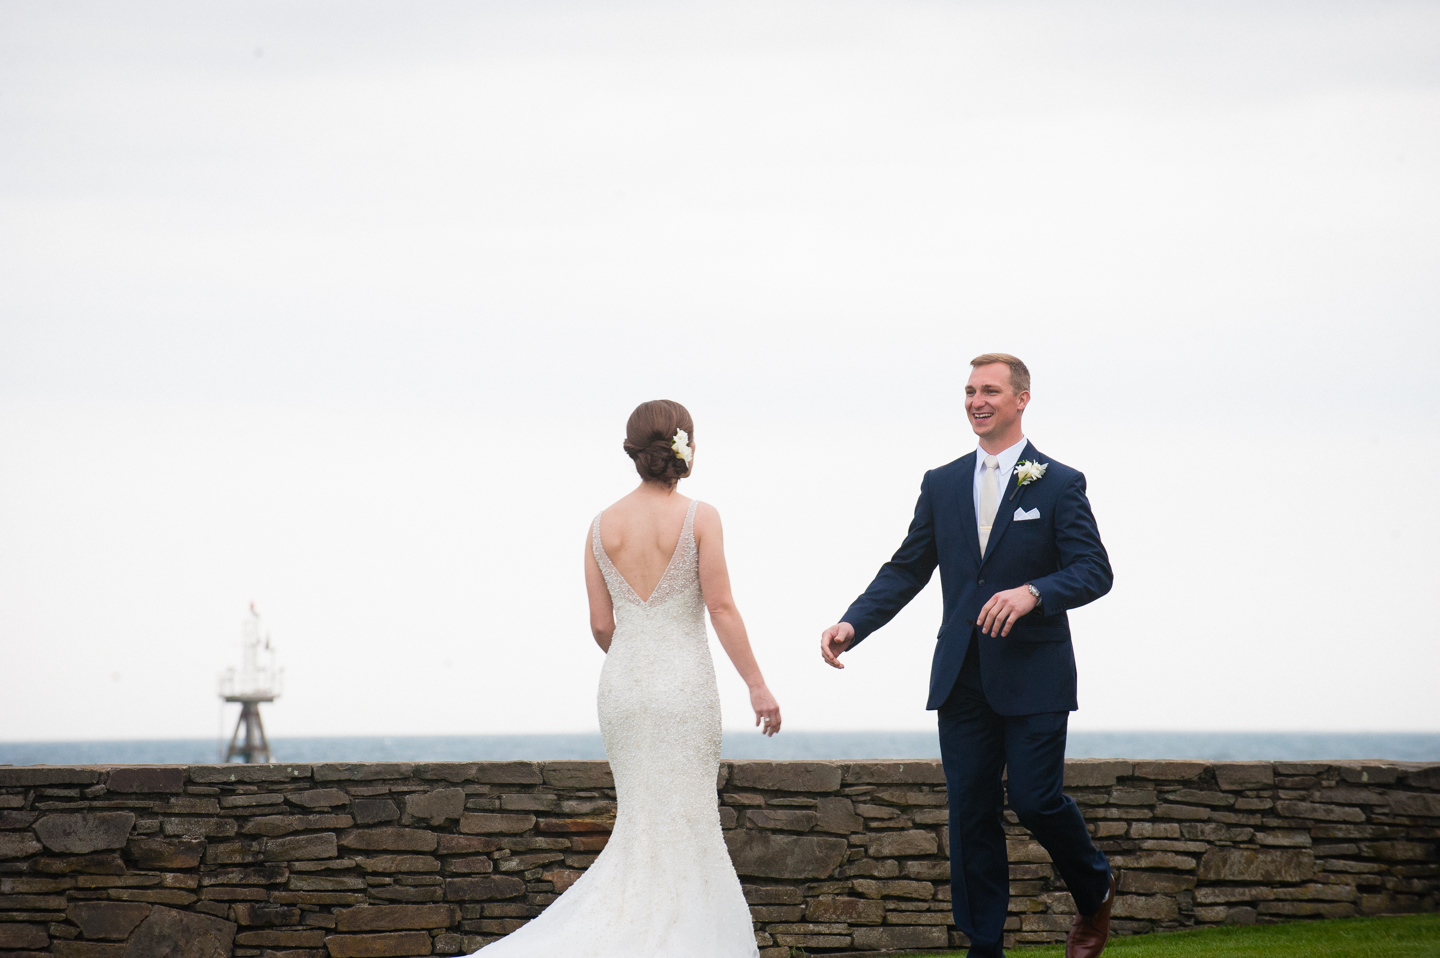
621 515
707 519
621 508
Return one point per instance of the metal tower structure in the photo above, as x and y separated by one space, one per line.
252 684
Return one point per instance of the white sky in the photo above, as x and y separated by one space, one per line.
341 307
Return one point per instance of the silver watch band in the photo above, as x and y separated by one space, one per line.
1033 591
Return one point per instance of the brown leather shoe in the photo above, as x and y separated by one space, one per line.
1088 933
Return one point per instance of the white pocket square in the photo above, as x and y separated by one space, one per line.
1021 515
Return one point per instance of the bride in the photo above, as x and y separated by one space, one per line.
664 885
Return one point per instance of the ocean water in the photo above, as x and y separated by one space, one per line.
1215 746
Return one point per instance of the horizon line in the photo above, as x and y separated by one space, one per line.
729 731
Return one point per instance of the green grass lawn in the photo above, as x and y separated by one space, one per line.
1409 936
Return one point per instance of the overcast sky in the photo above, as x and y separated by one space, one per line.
341 308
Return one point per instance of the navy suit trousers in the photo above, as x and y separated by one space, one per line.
977 746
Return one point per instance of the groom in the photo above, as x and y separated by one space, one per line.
1017 545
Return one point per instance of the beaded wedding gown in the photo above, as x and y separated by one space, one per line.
664 885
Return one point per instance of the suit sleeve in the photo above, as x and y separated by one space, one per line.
1084 574
900 579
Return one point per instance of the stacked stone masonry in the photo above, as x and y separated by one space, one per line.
357 860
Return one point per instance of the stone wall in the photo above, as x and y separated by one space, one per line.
357 860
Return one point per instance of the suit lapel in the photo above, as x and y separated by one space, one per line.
1005 512
970 531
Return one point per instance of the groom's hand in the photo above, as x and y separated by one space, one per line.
835 640
1003 609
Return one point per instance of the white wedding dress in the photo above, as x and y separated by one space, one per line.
664 885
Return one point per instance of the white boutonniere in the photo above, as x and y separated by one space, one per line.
681 445
1027 472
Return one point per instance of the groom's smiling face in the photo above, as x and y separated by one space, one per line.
992 404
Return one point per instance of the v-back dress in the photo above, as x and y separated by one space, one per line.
664 885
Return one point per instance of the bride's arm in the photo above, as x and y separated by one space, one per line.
725 617
602 610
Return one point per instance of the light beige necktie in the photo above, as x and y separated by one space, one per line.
989 499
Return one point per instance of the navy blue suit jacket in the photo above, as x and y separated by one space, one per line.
1033 668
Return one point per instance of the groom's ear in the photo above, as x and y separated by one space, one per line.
1023 399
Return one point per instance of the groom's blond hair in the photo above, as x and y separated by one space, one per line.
1019 373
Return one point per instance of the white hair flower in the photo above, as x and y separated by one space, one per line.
681 445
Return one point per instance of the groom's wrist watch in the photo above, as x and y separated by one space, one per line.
1035 592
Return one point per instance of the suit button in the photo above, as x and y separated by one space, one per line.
981 582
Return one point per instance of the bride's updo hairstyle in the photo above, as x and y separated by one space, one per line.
648 436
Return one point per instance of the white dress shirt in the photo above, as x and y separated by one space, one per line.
1008 458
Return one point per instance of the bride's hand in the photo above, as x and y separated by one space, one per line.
767 710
